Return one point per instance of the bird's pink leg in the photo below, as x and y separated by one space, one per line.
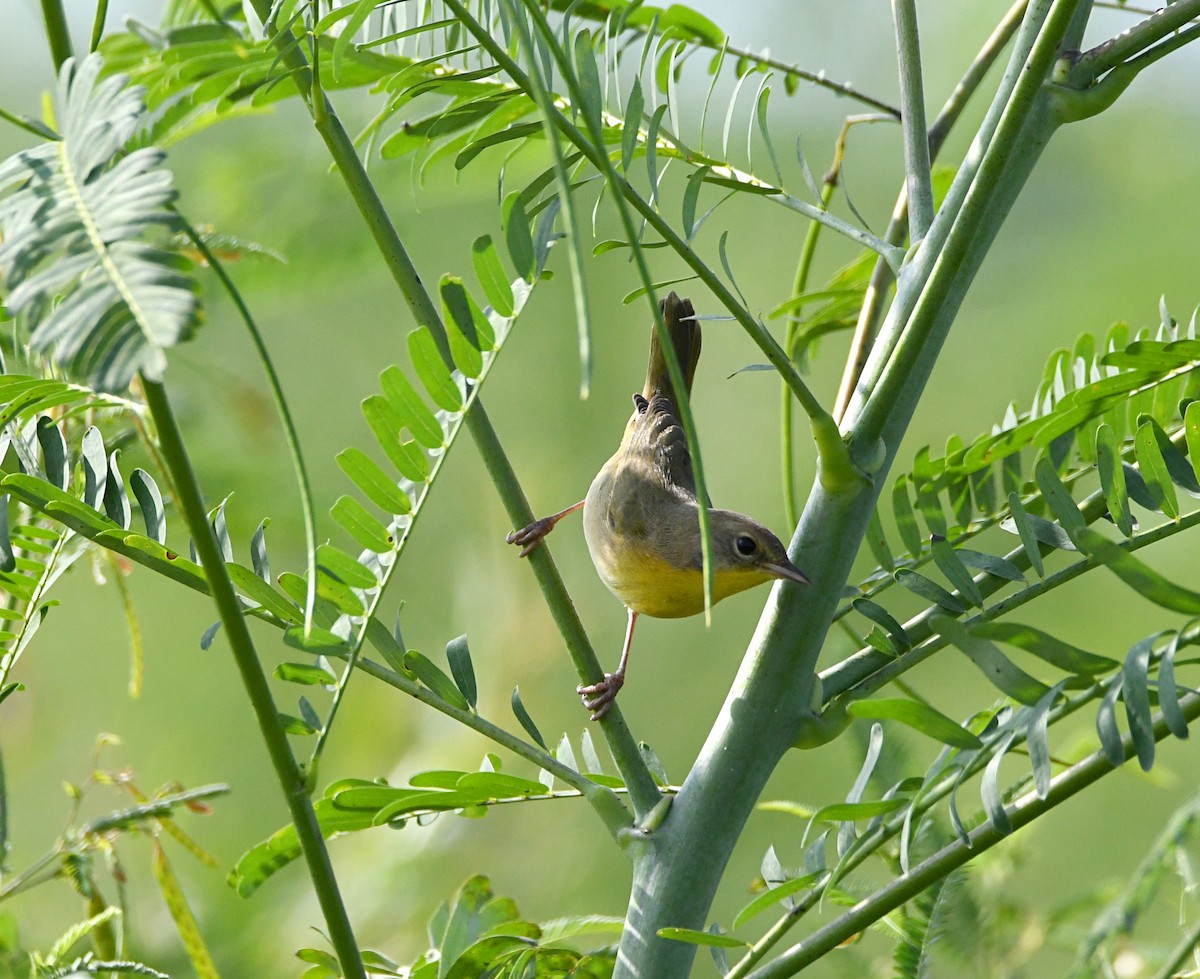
530 536
599 697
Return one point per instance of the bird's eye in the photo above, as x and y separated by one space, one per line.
745 545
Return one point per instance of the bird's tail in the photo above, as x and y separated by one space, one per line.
685 337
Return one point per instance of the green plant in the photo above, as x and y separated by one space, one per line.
98 276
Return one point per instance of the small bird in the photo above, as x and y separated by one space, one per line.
641 514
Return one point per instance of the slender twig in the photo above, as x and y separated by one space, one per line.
258 691
952 856
882 277
642 788
916 140
303 486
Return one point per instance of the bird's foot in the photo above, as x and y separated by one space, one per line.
528 537
599 697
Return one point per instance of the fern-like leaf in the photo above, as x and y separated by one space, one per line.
76 221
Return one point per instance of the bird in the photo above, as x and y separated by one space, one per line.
641 513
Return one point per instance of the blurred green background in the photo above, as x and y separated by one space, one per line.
1098 236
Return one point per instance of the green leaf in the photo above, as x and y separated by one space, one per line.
1112 478
305 674
1191 426
991 564
774 896
150 500
1141 577
490 274
927 589
295 725
375 484
518 236
948 561
1154 471
1020 519
877 542
522 715
992 663
54 452
260 592
881 616
919 716
359 524
693 937
632 124
458 654
1064 656
465 326
1106 724
1058 497
429 674
432 370
412 413
989 787
906 518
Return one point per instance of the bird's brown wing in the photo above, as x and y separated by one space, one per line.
658 447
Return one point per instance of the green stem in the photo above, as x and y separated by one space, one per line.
285 417
643 791
916 140
55 22
291 781
1026 809
1111 53
882 276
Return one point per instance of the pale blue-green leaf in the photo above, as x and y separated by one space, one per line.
209 634
1168 693
992 663
458 654
1106 724
724 257
544 235
878 543
691 197
658 287
95 467
150 500
989 787
652 128
760 110
657 768
1038 740
116 500
54 452
8 560
1137 701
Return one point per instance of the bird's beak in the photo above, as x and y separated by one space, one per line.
785 569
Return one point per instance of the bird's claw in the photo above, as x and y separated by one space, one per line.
529 536
599 697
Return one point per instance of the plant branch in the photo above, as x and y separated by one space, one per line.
1116 50
916 140
1024 811
291 780
882 276
55 22
642 788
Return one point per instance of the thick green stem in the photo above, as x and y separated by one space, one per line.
291 780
